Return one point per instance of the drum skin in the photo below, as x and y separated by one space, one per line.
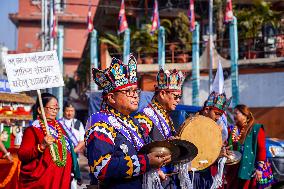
206 135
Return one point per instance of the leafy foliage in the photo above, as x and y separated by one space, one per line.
180 32
115 41
251 20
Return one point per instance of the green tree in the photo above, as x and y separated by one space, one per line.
114 41
143 41
251 20
180 32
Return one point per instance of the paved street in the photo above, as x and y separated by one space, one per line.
83 162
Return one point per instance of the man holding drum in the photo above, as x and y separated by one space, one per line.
214 107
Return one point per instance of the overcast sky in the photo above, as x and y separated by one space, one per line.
8 31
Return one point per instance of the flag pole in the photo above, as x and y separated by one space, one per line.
210 43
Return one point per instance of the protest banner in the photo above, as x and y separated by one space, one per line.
34 71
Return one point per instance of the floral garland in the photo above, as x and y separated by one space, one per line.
58 162
57 128
16 164
236 137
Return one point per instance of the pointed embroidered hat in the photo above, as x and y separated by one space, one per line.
217 98
117 76
167 80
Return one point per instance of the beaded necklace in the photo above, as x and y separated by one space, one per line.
60 137
155 105
121 118
57 128
236 137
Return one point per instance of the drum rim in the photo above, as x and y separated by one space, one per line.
188 121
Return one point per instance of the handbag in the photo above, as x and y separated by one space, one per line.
267 175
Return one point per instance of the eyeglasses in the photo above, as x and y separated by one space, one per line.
176 96
130 92
53 109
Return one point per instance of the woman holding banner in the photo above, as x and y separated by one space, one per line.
39 168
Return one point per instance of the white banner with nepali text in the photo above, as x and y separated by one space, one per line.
32 71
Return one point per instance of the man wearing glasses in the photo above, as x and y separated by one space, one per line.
155 118
112 137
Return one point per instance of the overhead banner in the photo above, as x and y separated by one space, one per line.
32 71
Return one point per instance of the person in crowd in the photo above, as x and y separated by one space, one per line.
248 137
155 118
113 138
6 153
45 152
75 131
73 127
214 107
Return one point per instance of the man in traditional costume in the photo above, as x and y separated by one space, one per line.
214 107
155 118
112 137
156 121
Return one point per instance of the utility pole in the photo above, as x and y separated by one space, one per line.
51 41
161 48
59 95
42 26
210 44
126 46
94 58
45 26
234 61
195 66
51 15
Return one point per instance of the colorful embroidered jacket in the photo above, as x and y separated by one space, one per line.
112 141
156 122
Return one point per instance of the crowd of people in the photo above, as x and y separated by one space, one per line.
113 137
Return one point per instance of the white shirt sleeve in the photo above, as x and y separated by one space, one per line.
81 132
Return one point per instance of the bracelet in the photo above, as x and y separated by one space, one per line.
39 148
7 154
261 162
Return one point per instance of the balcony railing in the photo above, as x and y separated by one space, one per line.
249 48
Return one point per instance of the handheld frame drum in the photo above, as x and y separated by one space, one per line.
206 135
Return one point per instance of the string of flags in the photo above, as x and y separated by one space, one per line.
229 12
155 18
89 19
191 16
123 25
54 24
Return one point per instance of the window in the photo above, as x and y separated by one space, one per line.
59 5
36 2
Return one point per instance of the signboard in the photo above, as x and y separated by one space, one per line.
32 71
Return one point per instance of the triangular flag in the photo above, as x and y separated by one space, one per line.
54 24
191 15
155 18
122 18
218 83
229 12
90 21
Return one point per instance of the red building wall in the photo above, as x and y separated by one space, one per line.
74 21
